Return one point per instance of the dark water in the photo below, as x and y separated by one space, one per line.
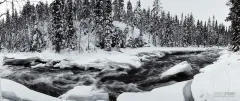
55 82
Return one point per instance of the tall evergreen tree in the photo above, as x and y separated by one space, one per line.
108 25
71 36
234 17
156 8
129 13
86 9
57 25
99 16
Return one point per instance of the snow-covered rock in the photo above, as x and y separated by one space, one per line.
85 93
15 91
168 93
41 65
67 64
183 67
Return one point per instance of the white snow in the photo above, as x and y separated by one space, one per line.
82 93
219 81
168 93
0 92
39 66
179 68
20 92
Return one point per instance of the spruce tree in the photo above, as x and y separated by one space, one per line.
8 34
86 9
121 9
57 25
234 17
156 8
129 13
71 36
137 14
108 25
99 22
155 23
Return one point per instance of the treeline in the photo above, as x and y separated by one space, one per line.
68 24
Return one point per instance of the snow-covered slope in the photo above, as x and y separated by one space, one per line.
219 81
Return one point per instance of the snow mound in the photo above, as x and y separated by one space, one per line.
163 94
15 91
85 93
219 81
183 67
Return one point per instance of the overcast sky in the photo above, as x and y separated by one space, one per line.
201 9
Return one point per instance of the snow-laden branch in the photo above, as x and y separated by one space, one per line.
1 2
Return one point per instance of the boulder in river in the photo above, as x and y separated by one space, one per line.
85 93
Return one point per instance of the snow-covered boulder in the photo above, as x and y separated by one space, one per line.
14 91
85 93
67 64
41 65
168 93
183 67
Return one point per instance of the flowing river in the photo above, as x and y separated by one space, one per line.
55 82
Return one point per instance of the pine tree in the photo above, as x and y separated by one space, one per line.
121 9
129 13
118 9
155 23
169 31
197 37
8 34
156 8
57 25
86 9
71 36
115 10
234 17
78 9
108 25
137 14
40 11
99 22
